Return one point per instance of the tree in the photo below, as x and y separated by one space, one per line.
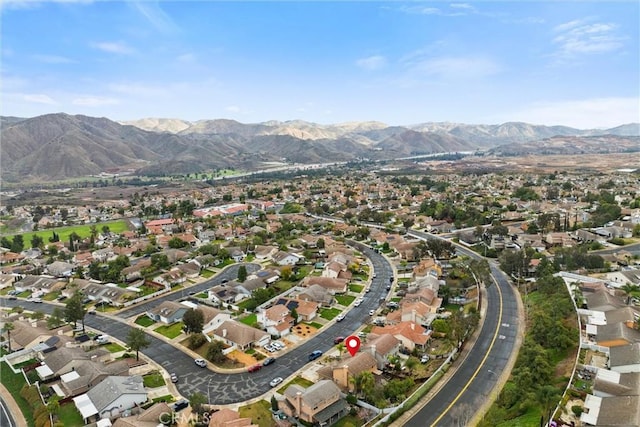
294 314
74 309
214 351
56 318
8 327
320 243
17 244
242 273
93 232
177 243
274 403
193 320
105 229
548 396
630 290
5 243
37 241
37 315
137 340
53 405
286 272
197 401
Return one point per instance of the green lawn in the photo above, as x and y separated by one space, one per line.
356 288
207 273
82 230
69 415
259 412
144 320
529 418
170 331
153 380
297 380
329 313
314 324
202 295
113 347
51 296
166 398
345 300
251 320
349 421
13 383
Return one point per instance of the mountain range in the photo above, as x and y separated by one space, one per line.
61 146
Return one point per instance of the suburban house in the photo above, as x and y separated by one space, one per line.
320 404
213 317
317 294
60 269
611 411
611 383
345 370
167 312
285 258
29 334
150 417
225 294
621 278
382 348
87 373
226 417
333 285
415 311
264 253
625 358
617 334
277 320
111 398
240 335
173 277
409 334
38 284
109 293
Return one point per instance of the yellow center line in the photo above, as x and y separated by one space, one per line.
484 359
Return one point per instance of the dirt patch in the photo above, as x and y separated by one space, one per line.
242 357
304 331
565 367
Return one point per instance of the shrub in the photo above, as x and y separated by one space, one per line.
196 341
577 410
351 399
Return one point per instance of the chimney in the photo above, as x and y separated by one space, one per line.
224 333
341 376
373 350
413 326
298 408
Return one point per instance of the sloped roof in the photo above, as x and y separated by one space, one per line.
109 389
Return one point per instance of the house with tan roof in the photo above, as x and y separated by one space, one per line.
410 334
617 334
413 311
382 348
625 358
167 312
242 336
88 373
332 285
29 334
321 403
343 372
65 359
226 417
153 416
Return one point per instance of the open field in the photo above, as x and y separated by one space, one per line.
64 232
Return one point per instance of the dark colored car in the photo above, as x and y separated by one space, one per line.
268 361
315 355
180 405
338 340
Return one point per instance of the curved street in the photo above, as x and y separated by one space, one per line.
223 388
476 377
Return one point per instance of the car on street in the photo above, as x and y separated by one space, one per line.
92 311
274 382
174 378
340 317
201 362
101 339
338 340
13 297
372 312
180 405
254 368
34 299
357 303
268 361
314 355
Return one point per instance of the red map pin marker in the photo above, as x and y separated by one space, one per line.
353 344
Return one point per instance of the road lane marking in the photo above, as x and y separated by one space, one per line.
484 359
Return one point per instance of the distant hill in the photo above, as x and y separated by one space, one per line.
60 146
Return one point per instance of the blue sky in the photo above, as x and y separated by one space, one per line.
571 63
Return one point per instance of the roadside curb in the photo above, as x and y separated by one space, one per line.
13 407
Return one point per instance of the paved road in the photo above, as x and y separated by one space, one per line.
230 273
478 374
234 388
633 248
6 420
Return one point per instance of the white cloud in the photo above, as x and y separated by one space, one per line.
233 109
582 37
52 59
372 62
113 47
462 6
155 15
135 88
583 114
38 98
94 101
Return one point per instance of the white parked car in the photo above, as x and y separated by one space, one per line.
274 382
201 362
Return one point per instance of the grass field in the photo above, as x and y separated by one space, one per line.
345 300
69 415
356 288
329 313
114 347
297 380
64 232
13 383
153 380
349 421
144 320
170 331
251 320
207 273
259 412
